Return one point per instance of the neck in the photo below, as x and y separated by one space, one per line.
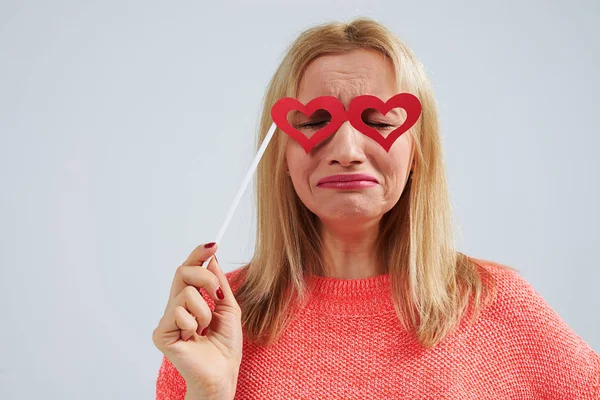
349 250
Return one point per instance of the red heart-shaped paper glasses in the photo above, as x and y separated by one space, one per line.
339 115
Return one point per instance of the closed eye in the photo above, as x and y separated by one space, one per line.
315 125
379 126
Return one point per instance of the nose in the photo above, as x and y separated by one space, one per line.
345 147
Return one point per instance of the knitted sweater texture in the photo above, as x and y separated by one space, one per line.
348 343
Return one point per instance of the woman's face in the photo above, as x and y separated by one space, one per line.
348 151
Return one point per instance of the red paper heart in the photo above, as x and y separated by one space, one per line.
331 104
407 101
339 115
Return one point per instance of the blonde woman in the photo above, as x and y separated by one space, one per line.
355 289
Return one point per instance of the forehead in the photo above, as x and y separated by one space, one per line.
348 75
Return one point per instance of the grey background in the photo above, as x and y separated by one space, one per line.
122 148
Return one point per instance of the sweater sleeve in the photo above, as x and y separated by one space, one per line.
557 363
170 385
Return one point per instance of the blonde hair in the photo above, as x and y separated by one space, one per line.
431 282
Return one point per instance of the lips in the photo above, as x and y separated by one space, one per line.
347 178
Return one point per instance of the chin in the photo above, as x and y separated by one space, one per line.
347 211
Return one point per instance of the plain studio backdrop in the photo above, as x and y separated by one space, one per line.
127 128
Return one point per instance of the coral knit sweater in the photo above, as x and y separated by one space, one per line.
348 344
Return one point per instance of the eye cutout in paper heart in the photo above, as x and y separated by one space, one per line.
331 104
409 102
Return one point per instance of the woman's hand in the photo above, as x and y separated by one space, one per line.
209 364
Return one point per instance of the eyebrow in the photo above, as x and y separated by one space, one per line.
395 112
318 113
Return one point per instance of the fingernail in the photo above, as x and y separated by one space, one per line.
220 293
209 245
204 331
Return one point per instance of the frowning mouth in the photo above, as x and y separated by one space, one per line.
348 181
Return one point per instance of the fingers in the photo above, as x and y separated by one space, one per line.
229 298
188 313
210 278
201 253
198 277
185 276
184 322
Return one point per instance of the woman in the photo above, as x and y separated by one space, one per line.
357 290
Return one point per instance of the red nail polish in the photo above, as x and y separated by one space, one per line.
209 245
204 331
220 293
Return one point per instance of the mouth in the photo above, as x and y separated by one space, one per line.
348 181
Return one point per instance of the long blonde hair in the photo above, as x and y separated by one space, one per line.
431 282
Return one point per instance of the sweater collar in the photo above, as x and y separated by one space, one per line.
336 296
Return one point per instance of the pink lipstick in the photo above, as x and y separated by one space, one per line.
347 181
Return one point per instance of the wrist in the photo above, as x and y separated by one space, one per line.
225 390
191 395
204 394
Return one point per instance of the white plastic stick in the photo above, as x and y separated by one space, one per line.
242 188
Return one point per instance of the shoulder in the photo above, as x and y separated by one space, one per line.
519 306
519 302
543 344
511 287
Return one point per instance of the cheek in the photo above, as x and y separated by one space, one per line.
293 158
296 157
298 163
395 166
400 154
